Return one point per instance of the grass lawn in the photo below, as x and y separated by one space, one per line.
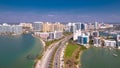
72 54
70 50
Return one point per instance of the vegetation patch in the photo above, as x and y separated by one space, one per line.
72 54
70 50
67 33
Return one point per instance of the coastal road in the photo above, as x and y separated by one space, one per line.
45 60
57 61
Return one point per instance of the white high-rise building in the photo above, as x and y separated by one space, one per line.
76 34
14 29
96 25
118 37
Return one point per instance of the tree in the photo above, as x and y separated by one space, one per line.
91 42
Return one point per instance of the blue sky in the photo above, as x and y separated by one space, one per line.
59 10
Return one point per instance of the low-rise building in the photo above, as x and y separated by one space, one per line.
58 34
118 41
43 35
110 43
49 35
97 41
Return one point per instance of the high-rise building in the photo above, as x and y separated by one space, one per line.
82 26
96 25
28 25
71 27
58 26
46 27
11 29
37 26
17 29
78 26
95 33
83 39
76 34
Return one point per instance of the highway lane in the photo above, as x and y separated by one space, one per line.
56 62
48 54
45 60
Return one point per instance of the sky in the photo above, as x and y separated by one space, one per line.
15 11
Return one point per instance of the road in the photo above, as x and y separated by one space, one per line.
57 61
45 60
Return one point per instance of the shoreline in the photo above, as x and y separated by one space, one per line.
37 61
80 54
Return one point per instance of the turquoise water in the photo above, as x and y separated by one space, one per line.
19 51
100 58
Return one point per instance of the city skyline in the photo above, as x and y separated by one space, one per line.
59 11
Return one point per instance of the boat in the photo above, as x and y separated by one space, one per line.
110 48
115 55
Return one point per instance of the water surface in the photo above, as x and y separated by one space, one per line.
100 58
19 51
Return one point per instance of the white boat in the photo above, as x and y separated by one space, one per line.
115 55
119 47
110 48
